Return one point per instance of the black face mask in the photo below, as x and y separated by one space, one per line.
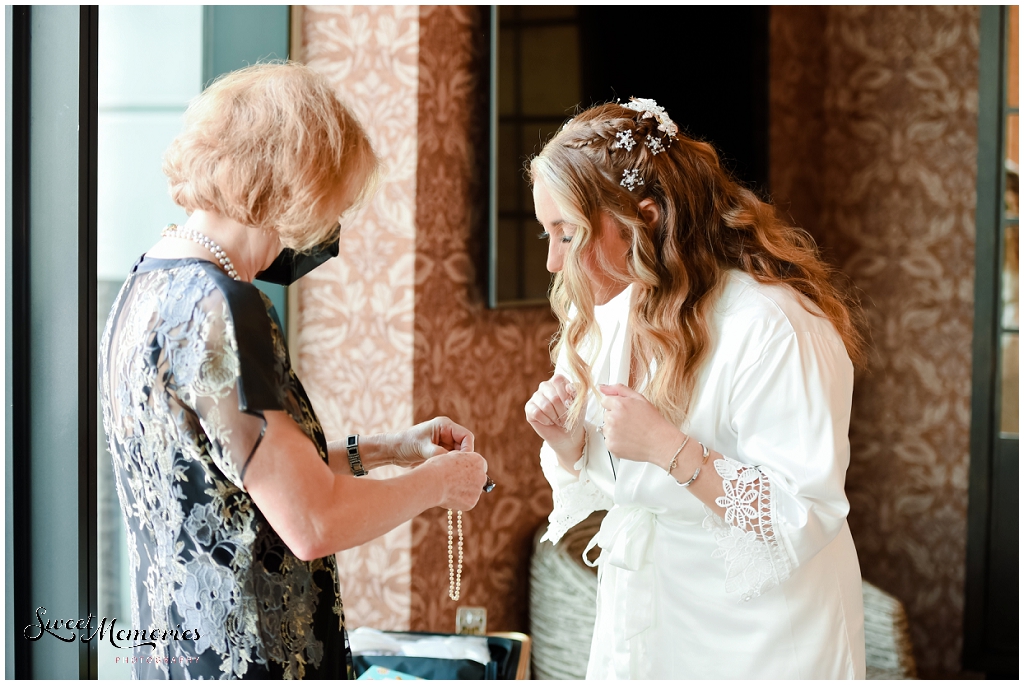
290 265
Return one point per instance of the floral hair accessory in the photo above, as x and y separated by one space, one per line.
654 144
649 109
624 139
631 179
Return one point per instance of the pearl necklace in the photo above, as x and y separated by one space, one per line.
174 231
454 577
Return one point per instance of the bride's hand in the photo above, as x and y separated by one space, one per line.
546 412
440 435
634 429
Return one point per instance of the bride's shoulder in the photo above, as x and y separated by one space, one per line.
766 309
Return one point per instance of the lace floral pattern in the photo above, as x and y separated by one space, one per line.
201 554
755 561
575 502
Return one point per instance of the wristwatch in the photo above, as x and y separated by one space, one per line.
352 447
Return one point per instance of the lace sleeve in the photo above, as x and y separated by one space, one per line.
782 512
574 498
755 559
206 372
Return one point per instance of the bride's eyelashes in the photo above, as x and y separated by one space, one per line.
544 235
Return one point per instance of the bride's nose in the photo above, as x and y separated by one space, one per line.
556 255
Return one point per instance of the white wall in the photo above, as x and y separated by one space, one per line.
150 66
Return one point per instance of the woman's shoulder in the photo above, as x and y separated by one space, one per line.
767 311
201 283
240 318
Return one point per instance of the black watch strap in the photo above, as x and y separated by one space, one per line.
354 461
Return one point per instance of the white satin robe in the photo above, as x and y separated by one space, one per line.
774 591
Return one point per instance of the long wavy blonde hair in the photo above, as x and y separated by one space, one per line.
708 223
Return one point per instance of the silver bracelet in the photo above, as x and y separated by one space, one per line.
697 472
675 457
354 460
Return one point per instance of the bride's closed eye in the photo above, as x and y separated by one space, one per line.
544 235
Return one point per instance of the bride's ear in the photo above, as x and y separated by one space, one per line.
651 212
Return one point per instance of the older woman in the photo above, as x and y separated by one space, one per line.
702 395
233 500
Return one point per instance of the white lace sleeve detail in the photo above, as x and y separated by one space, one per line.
575 502
755 559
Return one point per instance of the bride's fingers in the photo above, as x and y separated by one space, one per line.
534 414
553 409
563 389
556 395
549 407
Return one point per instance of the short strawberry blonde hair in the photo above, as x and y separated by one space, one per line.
271 146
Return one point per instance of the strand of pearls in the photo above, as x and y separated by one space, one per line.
454 577
174 231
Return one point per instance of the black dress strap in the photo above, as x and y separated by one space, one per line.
258 387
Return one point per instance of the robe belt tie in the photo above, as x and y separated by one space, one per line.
625 539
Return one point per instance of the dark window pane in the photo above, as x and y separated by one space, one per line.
507 13
508 169
550 70
535 135
535 273
506 72
548 12
1012 86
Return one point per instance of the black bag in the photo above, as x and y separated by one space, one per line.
505 653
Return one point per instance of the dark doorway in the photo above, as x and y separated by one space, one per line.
707 66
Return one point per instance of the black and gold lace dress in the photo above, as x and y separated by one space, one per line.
189 361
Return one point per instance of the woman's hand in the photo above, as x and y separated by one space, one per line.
438 436
634 429
546 412
318 510
462 475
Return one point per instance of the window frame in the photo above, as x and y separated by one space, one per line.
50 486
52 507
993 489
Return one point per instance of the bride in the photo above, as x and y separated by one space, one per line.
702 395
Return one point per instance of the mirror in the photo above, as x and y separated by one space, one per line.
708 66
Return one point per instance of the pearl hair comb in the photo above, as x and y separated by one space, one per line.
649 109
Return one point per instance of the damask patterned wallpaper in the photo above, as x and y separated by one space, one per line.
476 365
874 120
395 331
354 336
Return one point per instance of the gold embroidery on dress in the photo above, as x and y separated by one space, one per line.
200 553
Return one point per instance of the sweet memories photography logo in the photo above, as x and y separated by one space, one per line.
69 630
